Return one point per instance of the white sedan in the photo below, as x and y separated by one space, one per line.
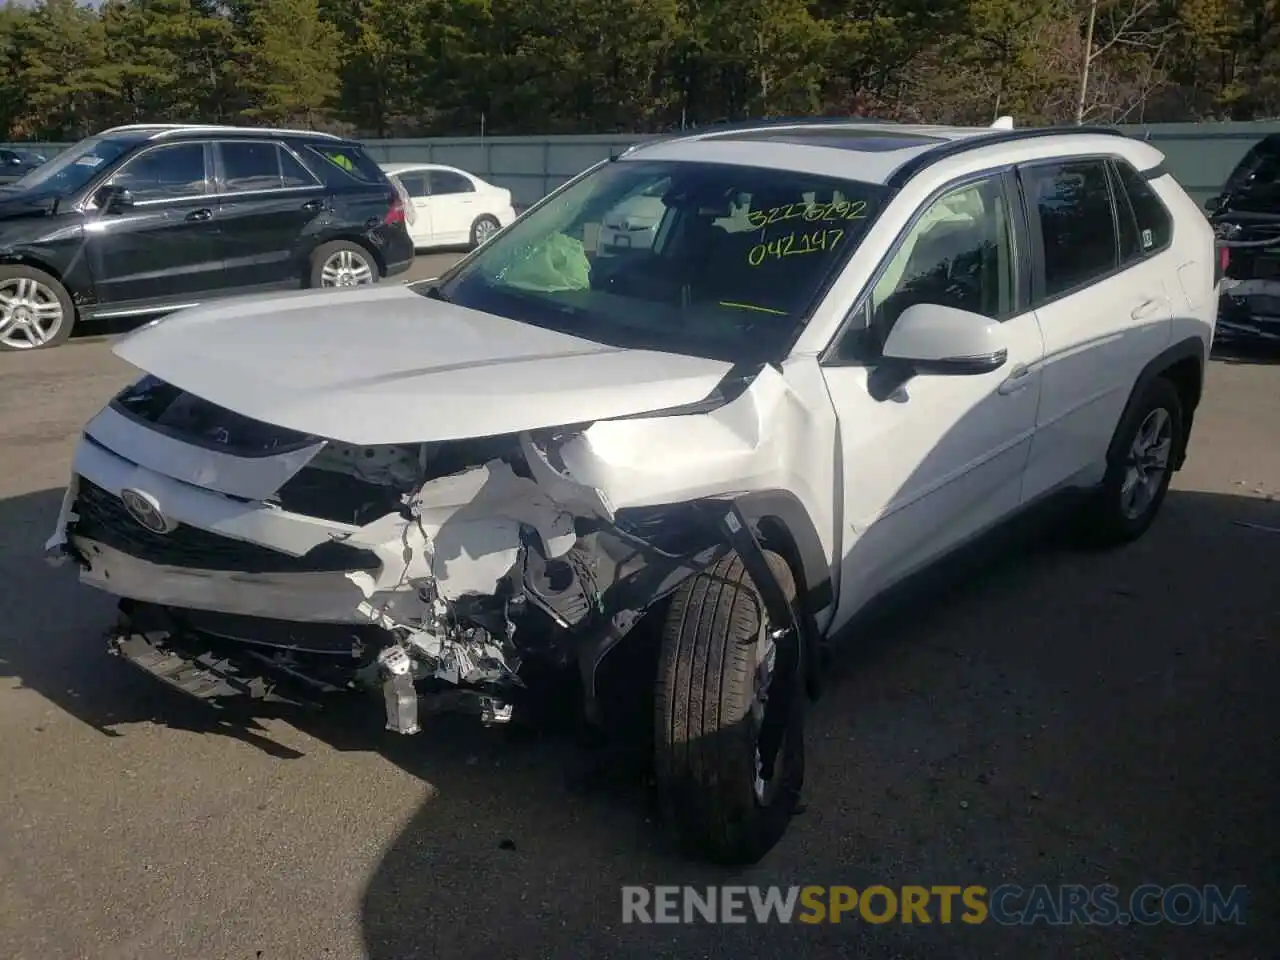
448 206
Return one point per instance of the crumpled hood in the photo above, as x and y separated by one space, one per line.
382 364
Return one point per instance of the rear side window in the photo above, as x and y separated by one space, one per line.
260 165
1151 225
446 182
1072 204
350 159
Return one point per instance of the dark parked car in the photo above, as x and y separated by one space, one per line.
1246 216
16 164
146 219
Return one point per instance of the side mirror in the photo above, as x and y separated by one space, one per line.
931 338
111 199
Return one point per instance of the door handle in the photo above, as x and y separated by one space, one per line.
202 214
313 206
1147 309
1019 379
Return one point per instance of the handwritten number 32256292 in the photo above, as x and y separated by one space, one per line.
809 212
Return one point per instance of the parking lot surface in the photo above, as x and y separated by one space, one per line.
1050 717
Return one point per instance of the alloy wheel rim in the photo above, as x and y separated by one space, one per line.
346 268
30 313
484 230
1147 464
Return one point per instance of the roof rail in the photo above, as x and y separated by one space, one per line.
142 126
735 126
952 148
169 129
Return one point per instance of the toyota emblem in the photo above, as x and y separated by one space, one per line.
144 509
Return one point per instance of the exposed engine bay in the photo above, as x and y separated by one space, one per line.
442 571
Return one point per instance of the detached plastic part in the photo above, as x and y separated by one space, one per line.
1003 123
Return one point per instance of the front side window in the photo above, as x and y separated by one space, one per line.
1072 202
445 182
164 173
739 257
958 253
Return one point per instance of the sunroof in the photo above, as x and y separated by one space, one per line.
841 138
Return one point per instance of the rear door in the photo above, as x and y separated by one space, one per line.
453 205
1102 298
421 226
168 244
268 202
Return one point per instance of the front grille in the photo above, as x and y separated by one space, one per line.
101 516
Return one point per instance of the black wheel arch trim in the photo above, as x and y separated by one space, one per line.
1190 348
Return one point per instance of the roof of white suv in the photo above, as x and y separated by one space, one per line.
868 151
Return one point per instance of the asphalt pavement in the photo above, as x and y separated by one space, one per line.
1044 716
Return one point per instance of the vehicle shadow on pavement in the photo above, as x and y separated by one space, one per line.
1259 354
1053 716
1033 714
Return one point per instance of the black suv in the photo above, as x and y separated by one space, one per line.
1246 217
145 219
16 164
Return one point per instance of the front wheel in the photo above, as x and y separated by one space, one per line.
35 309
1139 468
342 263
715 687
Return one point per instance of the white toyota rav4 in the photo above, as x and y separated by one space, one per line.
850 348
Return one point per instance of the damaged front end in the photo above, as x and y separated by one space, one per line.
254 561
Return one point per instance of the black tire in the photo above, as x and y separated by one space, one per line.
326 251
20 271
705 735
1106 521
485 220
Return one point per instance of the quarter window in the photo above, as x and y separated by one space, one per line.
446 182
959 253
165 173
1152 221
1072 202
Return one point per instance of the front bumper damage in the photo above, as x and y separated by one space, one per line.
440 602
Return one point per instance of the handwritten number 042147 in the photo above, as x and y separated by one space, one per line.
793 244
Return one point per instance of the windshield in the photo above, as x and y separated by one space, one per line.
75 166
712 260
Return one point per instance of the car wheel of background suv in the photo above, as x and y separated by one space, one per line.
1139 467
35 309
715 662
342 263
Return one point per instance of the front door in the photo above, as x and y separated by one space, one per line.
1103 307
940 458
267 202
166 246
